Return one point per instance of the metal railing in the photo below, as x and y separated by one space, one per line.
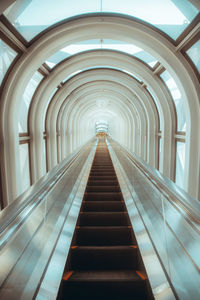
171 219
31 226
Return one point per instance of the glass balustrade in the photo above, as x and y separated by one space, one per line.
32 226
171 218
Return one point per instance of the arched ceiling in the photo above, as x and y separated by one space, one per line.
101 84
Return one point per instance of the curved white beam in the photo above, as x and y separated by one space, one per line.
91 28
92 85
117 105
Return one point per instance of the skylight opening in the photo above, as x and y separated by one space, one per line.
101 44
177 98
30 17
76 48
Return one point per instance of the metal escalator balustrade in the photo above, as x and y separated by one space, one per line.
169 221
33 254
36 224
104 261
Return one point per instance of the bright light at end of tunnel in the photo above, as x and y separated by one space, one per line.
101 126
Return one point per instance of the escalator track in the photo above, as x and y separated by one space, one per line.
104 260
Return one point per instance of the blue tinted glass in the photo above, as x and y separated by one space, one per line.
180 163
101 44
7 55
46 106
194 54
24 167
32 17
157 104
178 101
26 100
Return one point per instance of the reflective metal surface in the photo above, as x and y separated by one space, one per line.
170 222
158 281
32 249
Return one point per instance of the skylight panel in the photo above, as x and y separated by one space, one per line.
177 98
194 54
30 17
101 44
7 55
50 64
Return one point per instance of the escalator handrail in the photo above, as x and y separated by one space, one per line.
30 199
178 198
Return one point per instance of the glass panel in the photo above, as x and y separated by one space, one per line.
7 55
178 101
157 105
29 20
100 67
26 100
180 163
101 44
170 16
46 106
146 57
175 237
24 166
194 54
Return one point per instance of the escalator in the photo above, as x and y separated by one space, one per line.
104 260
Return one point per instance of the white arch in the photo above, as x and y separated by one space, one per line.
133 85
89 28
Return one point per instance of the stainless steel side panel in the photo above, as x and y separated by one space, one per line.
158 281
170 225
35 255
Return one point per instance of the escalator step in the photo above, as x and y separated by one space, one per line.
103 206
102 189
103 236
103 219
103 258
93 182
108 196
103 177
121 284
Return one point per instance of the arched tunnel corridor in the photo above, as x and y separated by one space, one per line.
72 73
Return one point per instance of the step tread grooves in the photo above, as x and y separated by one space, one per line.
108 275
103 258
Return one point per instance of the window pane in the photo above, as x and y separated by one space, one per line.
178 101
157 105
7 55
31 17
100 67
101 44
26 100
170 16
180 163
46 106
24 167
194 54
